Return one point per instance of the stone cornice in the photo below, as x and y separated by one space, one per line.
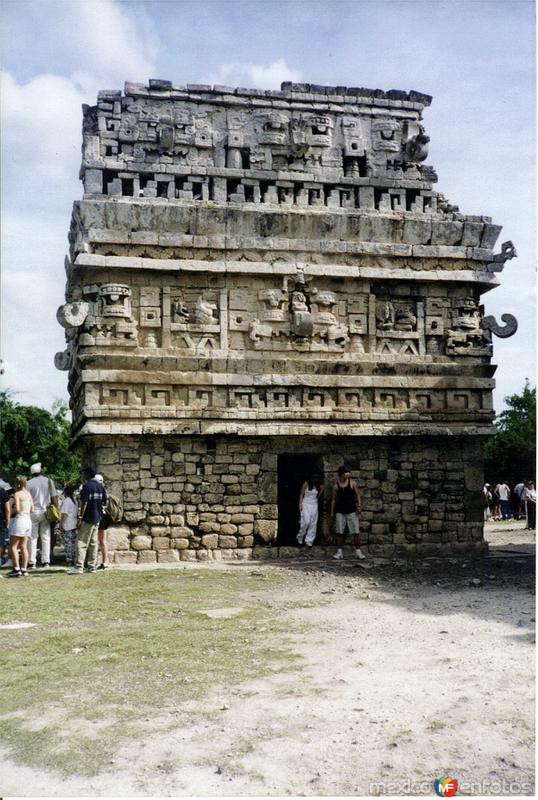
486 279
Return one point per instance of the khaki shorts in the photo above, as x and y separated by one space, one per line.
352 522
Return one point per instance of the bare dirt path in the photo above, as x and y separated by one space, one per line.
407 673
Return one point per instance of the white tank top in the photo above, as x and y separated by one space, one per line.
311 497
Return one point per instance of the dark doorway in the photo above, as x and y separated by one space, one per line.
293 470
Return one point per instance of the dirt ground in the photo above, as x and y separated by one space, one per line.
408 672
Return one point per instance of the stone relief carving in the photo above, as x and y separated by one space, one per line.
329 143
204 312
105 318
508 251
179 312
491 326
180 399
302 324
416 148
465 332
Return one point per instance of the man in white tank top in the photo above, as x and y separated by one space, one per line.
503 490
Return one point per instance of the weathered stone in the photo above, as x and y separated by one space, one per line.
125 557
188 555
237 518
141 542
209 527
246 529
146 557
266 529
180 544
210 541
180 532
227 542
151 496
168 555
159 530
118 537
228 529
161 543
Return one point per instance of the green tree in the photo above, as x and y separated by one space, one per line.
29 434
511 453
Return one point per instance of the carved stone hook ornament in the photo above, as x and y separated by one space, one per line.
490 325
508 251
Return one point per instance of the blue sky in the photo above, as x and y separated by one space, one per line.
475 57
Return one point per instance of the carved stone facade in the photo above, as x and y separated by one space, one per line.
256 277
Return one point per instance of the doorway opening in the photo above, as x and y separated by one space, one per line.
293 470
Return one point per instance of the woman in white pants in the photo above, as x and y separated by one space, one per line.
309 497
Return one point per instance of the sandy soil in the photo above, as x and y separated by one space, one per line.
408 673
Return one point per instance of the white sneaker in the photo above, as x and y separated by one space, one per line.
359 555
74 571
338 555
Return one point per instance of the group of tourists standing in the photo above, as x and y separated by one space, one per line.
346 505
503 503
30 511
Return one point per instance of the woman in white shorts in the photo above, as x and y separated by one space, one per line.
21 529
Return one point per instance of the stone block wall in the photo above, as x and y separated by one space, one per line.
216 498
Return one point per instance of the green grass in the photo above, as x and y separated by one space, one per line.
112 652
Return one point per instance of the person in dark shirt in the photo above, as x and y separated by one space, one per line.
5 516
92 499
346 504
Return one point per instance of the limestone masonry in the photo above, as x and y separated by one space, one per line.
265 282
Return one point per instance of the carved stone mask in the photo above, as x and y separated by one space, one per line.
386 135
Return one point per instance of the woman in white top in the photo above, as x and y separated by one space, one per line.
21 529
309 497
68 523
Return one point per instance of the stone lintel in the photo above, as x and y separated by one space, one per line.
292 428
234 379
88 260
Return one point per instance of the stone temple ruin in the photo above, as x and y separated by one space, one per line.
265 282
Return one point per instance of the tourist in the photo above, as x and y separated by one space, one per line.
92 499
309 497
529 496
486 501
518 503
495 505
346 504
21 529
503 490
43 493
68 523
5 516
101 533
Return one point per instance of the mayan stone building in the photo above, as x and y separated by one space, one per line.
265 282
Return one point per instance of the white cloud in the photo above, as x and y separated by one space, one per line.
122 45
41 124
255 76
104 43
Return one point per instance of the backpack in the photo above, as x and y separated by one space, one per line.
113 509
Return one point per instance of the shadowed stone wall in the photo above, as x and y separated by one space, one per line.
200 499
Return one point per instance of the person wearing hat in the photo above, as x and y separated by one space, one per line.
5 517
43 493
346 504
